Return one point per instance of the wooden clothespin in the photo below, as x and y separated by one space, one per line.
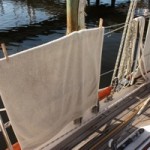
3 47
100 23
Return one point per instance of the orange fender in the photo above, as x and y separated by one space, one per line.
103 93
16 146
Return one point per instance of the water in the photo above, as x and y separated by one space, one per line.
108 2
26 23
22 13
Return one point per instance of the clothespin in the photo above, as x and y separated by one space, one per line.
3 47
100 23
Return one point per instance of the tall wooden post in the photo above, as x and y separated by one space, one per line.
148 4
97 2
81 14
113 3
72 15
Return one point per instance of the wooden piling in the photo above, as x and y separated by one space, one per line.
97 2
113 3
81 14
72 15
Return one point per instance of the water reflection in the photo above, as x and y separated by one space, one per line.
27 23
107 2
25 12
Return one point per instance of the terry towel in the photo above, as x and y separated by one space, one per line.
46 87
147 49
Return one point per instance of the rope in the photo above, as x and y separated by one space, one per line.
126 44
114 30
129 18
125 25
130 49
140 49
138 58
114 25
105 73
129 54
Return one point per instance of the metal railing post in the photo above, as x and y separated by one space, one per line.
8 142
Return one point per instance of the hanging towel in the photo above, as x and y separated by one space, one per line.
147 49
144 53
46 87
138 51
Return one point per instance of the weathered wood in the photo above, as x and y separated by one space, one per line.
81 14
4 51
97 2
100 23
72 15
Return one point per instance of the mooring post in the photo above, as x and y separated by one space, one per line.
149 4
81 14
113 3
97 2
72 15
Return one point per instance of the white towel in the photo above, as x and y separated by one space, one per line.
46 87
147 49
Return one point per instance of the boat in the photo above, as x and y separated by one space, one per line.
107 121
139 139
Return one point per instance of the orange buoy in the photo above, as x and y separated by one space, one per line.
103 93
16 146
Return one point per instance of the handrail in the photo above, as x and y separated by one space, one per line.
6 125
8 142
2 109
